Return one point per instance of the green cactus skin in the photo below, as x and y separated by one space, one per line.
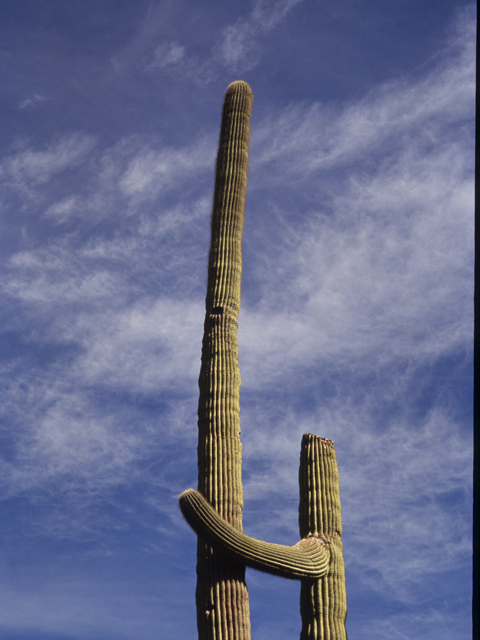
308 559
221 595
323 603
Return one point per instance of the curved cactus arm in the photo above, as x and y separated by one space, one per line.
308 559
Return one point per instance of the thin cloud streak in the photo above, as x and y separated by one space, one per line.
304 140
384 270
117 180
238 50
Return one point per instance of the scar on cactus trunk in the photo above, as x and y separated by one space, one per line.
215 510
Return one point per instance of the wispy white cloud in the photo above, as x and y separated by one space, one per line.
382 266
305 140
167 54
122 178
238 49
269 14
31 102
63 210
28 168
388 276
152 171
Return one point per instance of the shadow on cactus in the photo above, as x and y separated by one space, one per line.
214 511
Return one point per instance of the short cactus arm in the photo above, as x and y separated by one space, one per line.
308 559
323 603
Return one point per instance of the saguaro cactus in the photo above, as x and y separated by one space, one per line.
222 598
215 510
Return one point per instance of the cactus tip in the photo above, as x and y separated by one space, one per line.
183 499
240 86
311 437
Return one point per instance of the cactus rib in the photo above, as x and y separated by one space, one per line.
308 559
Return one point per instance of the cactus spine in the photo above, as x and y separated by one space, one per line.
222 598
215 510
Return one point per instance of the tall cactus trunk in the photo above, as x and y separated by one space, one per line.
221 596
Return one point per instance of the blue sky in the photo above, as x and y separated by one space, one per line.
356 319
